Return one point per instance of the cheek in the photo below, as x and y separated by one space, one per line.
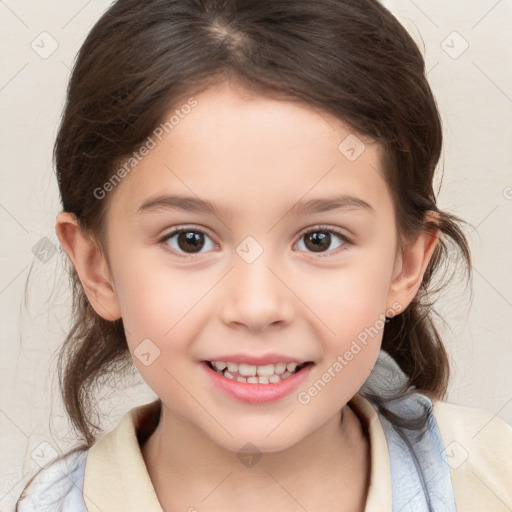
160 315
154 298
163 310
351 304
355 320
348 298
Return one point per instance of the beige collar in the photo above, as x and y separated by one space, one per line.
116 478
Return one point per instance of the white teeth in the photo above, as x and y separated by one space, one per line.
291 367
253 374
258 380
266 370
280 368
232 367
246 369
253 370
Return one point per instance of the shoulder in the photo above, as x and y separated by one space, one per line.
475 428
57 486
478 449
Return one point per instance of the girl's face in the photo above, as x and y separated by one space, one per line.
270 268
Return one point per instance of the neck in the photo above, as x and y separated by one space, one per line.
329 466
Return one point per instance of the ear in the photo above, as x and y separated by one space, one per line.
411 265
90 264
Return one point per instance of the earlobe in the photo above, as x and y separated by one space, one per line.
90 264
412 265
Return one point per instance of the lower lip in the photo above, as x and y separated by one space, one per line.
256 393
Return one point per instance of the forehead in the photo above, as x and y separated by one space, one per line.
241 150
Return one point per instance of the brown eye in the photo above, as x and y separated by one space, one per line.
184 241
320 239
190 241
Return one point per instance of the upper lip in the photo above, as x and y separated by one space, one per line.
260 360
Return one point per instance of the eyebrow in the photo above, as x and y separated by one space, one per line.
194 204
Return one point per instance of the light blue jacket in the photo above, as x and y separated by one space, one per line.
419 469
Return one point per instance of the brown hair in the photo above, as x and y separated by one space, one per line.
350 58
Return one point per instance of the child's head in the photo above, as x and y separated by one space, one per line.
259 108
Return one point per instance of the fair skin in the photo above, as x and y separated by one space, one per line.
257 157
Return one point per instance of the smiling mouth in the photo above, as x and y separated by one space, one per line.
252 374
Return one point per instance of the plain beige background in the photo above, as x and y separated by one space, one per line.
468 50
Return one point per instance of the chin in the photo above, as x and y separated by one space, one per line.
256 441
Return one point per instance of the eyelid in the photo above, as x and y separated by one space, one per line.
180 229
322 227
347 240
185 227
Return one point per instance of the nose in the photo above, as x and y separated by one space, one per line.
257 297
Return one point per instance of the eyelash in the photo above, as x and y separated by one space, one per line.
315 229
